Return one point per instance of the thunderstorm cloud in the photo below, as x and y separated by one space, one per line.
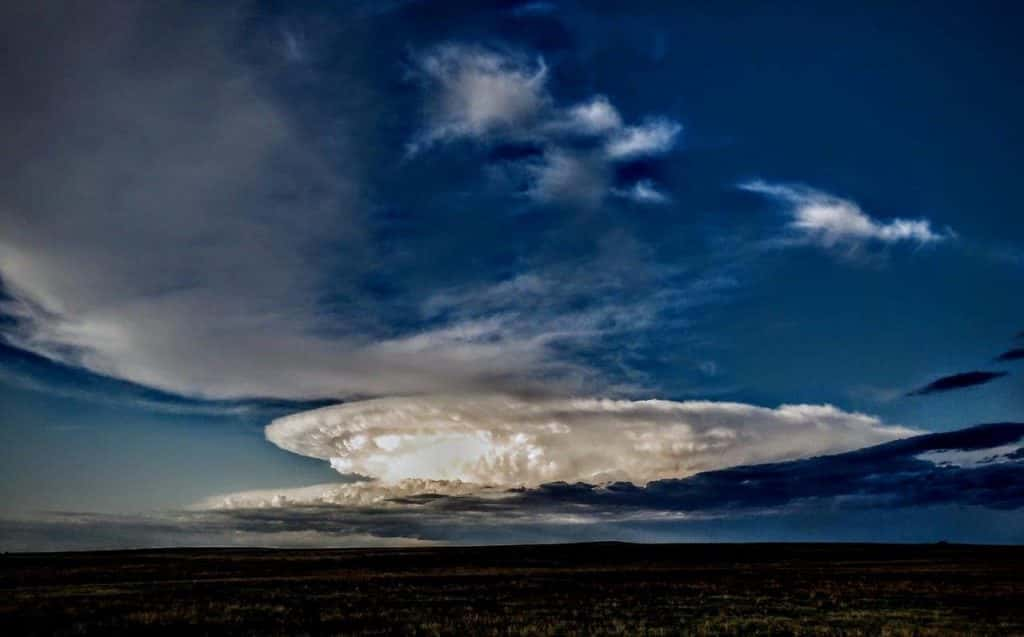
511 442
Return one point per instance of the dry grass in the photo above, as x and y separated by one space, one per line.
610 589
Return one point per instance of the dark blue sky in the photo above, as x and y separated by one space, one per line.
218 217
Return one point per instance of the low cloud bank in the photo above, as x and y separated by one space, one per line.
960 486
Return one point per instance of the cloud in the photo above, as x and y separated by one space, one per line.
912 472
593 117
297 528
168 222
644 192
161 208
356 494
653 138
569 177
957 381
833 222
978 466
294 48
1015 354
587 323
920 488
508 441
28 371
476 92
500 98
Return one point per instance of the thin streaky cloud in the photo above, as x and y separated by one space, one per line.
1015 354
833 222
957 381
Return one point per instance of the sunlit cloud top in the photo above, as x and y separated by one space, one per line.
512 441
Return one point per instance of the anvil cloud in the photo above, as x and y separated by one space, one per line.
509 441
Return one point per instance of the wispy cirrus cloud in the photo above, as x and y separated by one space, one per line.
835 223
170 224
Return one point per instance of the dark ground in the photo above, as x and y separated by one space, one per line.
527 590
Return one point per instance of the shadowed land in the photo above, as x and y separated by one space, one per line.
600 588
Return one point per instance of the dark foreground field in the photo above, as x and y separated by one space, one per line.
529 590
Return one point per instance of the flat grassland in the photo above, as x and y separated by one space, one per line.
603 588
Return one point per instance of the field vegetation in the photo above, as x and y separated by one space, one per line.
584 589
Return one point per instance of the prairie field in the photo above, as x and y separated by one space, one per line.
578 589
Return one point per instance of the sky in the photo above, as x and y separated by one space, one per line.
361 273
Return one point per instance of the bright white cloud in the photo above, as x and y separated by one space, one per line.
655 137
505 441
974 458
832 221
594 116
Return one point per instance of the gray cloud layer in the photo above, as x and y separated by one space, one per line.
165 221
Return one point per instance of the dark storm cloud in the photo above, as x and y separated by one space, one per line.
973 467
891 475
957 381
1015 354
978 466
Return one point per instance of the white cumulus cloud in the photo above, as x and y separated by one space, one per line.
594 116
494 97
